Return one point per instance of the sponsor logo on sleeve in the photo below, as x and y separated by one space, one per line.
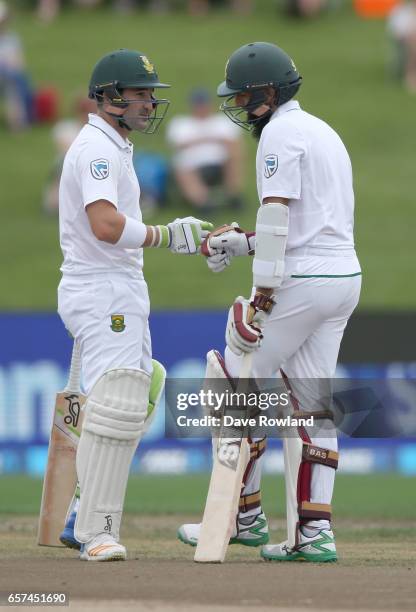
271 163
100 169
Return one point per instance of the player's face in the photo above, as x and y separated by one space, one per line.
140 108
251 109
242 99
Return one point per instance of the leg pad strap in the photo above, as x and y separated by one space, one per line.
248 502
313 511
257 448
317 454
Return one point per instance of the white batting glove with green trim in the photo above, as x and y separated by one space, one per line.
186 235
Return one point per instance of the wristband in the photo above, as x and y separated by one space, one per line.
161 236
262 302
133 234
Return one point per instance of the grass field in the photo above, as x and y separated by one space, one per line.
356 497
376 543
343 61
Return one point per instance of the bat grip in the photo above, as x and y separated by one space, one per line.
74 377
245 369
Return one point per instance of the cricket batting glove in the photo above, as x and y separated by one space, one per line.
245 322
185 236
224 243
218 262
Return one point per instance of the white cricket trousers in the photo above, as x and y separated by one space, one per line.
303 333
302 336
108 315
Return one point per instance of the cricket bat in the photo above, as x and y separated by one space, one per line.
60 477
230 461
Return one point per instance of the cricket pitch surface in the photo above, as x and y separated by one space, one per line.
376 571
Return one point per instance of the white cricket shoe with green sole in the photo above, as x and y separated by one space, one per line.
252 531
318 549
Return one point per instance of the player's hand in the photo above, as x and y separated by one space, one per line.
244 327
218 262
229 239
187 235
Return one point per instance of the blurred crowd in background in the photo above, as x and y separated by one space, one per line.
206 165
48 10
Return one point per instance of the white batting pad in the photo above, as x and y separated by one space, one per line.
115 413
292 454
157 384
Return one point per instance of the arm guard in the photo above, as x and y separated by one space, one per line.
271 237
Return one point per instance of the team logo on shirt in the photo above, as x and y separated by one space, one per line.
117 323
271 164
100 169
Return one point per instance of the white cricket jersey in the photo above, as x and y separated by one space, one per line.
97 166
301 158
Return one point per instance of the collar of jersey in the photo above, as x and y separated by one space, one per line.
101 124
285 108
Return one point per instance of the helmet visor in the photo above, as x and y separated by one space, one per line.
140 114
242 112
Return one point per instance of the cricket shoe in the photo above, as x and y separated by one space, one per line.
251 531
317 549
103 548
67 536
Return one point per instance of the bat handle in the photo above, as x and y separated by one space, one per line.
74 377
245 369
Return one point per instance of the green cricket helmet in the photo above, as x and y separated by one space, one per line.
123 69
253 68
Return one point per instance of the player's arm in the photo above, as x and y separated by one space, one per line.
98 173
278 241
230 241
280 183
180 236
246 317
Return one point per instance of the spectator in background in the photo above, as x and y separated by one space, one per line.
49 9
156 6
63 134
14 82
402 27
306 8
201 7
207 153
